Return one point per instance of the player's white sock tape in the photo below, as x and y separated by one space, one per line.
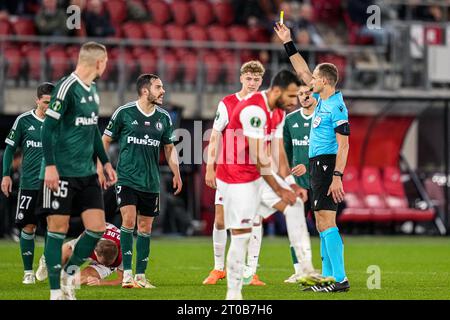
254 247
298 235
235 260
219 244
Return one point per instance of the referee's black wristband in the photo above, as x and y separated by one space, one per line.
290 48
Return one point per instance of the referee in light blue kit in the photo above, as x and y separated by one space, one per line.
328 151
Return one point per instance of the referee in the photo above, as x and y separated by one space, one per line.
328 151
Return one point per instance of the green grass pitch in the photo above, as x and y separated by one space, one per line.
411 268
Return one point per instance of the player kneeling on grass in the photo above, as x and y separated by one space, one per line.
104 260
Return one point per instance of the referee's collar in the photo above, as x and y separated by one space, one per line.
335 97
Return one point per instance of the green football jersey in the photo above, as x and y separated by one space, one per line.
26 134
140 136
75 106
296 142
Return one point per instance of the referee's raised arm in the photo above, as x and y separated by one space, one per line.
299 64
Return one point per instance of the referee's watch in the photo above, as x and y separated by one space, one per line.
338 173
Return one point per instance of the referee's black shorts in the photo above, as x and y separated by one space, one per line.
321 170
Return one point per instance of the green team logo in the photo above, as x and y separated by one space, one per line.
56 106
159 126
255 122
217 115
110 125
12 134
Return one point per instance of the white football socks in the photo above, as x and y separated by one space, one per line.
299 236
254 247
219 244
235 264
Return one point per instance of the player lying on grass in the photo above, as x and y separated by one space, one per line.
104 260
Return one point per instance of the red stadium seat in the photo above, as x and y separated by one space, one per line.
355 210
258 34
212 63
239 33
196 32
231 64
147 62
117 11
132 30
13 58
58 61
5 28
24 27
176 32
181 12
160 11
327 11
189 61
72 54
397 201
224 12
218 33
202 12
374 194
153 31
171 67
33 59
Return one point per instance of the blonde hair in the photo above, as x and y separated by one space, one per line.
90 52
253 66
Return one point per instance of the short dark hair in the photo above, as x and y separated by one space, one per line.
284 78
44 88
144 80
329 71
108 250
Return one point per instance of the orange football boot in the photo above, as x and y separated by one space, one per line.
256 282
215 276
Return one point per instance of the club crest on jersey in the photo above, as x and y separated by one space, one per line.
56 106
96 98
317 122
55 204
84 121
159 126
255 122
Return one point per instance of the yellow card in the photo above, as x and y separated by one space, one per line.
281 17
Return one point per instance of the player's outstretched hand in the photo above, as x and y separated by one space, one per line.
93 281
111 175
51 179
336 189
177 184
288 196
299 170
6 185
283 32
210 179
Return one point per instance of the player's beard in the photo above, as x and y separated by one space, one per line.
279 103
154 100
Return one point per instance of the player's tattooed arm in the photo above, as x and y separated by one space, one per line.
297 61
172 159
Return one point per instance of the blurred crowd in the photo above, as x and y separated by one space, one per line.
304 17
